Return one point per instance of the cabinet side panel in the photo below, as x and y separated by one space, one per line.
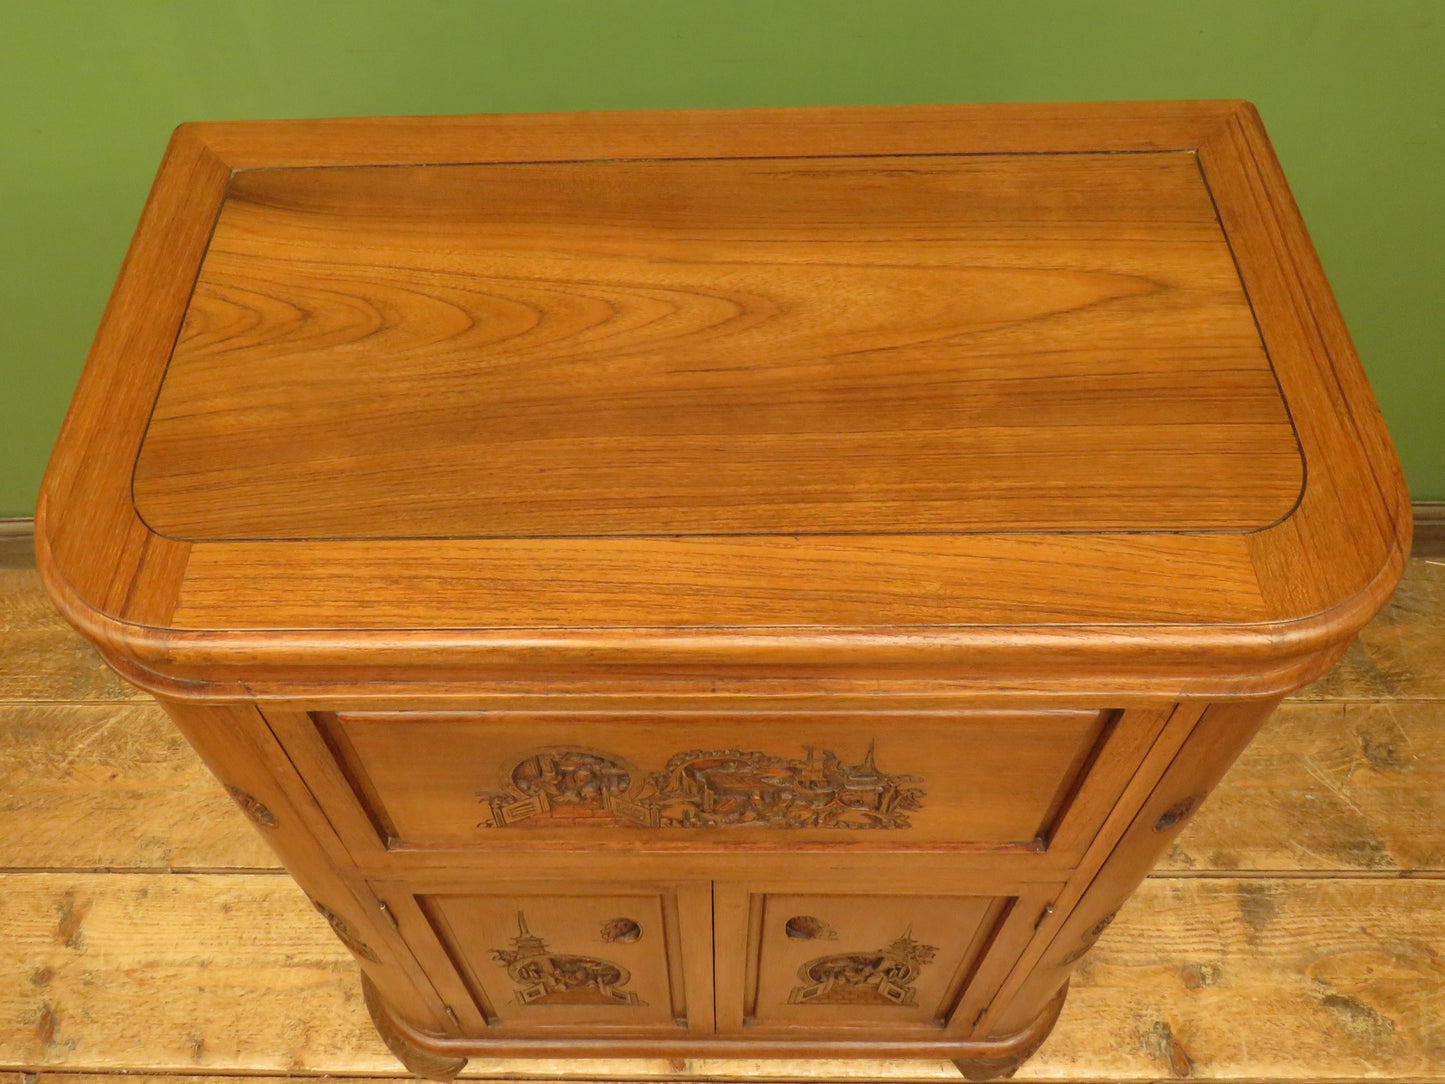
1220 735
235 744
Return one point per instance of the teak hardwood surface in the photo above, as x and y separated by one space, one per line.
784 346
1294 933
754 389
770 589
420 772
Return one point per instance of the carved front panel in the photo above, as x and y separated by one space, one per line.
542 960
462 778
703 788
840 958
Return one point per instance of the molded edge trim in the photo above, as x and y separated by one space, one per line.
663 1045
188 664
1237 661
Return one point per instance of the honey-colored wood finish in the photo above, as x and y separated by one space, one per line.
1241 957
427 781
718 347
584 546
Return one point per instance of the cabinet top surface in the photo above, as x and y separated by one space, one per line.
787 345
852 368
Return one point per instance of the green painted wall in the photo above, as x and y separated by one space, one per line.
1353 92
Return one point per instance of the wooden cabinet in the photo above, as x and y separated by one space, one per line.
756 583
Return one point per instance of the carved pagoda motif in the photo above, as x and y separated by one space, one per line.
544 977
883 977
723 788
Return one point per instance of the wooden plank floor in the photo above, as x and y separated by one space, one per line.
1296 933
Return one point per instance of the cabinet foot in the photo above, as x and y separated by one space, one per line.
417 1061
990 1068
1003 1066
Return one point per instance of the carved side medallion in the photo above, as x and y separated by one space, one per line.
720 788
543 977
1178 813
259 814
882 977
345 933
1087 939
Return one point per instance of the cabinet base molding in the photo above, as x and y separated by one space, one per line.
1021 1047
418 1062
436 1057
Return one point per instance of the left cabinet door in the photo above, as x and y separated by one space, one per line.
534 956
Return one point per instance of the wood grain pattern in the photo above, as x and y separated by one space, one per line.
1329 787
790 346
1398 655
1337 421
181 970
113 786
107 553
44 659
541 137
1260 978
539 960
917 580
1320 581
1145 1017
922 944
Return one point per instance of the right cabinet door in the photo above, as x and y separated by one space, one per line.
794 957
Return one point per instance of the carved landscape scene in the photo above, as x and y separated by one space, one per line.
723 788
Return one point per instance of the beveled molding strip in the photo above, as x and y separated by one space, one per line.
17 535
17 542
1429 529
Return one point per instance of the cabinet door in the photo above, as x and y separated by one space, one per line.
531 956
796 956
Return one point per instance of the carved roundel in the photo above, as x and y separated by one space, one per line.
625 930
1097 929
1178 813
808 928
571 776
1087 939
259 814
344 933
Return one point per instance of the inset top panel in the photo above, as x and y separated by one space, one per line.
799 346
